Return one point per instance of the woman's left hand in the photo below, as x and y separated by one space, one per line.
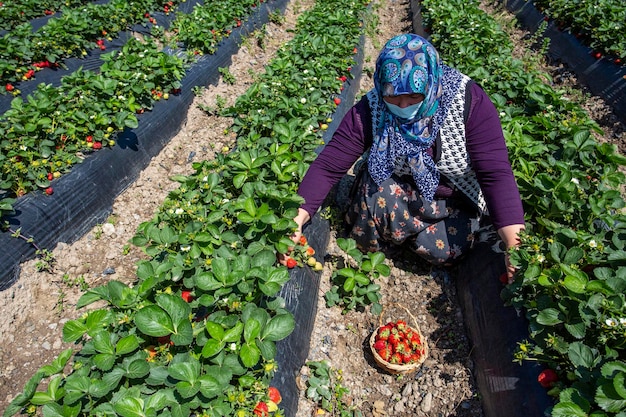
510 237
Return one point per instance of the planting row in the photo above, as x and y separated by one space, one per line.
46 134
599 24
71 34
20 11
572 260
197 332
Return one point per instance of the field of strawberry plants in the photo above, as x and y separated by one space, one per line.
572 259
197 332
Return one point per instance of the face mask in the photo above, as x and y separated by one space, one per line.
406 113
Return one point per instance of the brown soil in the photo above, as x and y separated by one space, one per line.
40 302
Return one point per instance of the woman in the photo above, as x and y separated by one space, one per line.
434 160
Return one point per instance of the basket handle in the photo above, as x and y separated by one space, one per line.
382 312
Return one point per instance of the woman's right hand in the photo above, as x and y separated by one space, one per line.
301 219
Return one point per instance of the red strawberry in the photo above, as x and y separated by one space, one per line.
187 296
415 341
9 87
547 378
50 176
396 358
597 55
379 344
401 325
303 240
97 145
337 101
291 263
383 333
274 395
407 358
415 357
49 190
89 138
261 409
403 347
504 278
385 353
393 338
617 61
164 340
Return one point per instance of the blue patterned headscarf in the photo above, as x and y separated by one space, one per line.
407 64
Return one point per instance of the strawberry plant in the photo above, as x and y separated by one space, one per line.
325 389
353 282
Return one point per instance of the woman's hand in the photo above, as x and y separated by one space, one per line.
301 219
510 237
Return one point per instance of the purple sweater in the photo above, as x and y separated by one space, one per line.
485 145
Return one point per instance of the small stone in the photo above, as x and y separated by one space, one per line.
108 229
109 271
46 345
399 408
407 390
427 402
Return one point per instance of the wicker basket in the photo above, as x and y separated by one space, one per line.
393 368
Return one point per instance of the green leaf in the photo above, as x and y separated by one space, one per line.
549 317
137 369
619 385
609 369
249 354
210 386
129 407
212 347
609 399
73 330
279 327
185 371
177 308
187 389
567 409
349 284
573 255
183 333
575 284
102 342
57 364
154 321
127 345
104 361
582 355
252 330
234 334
